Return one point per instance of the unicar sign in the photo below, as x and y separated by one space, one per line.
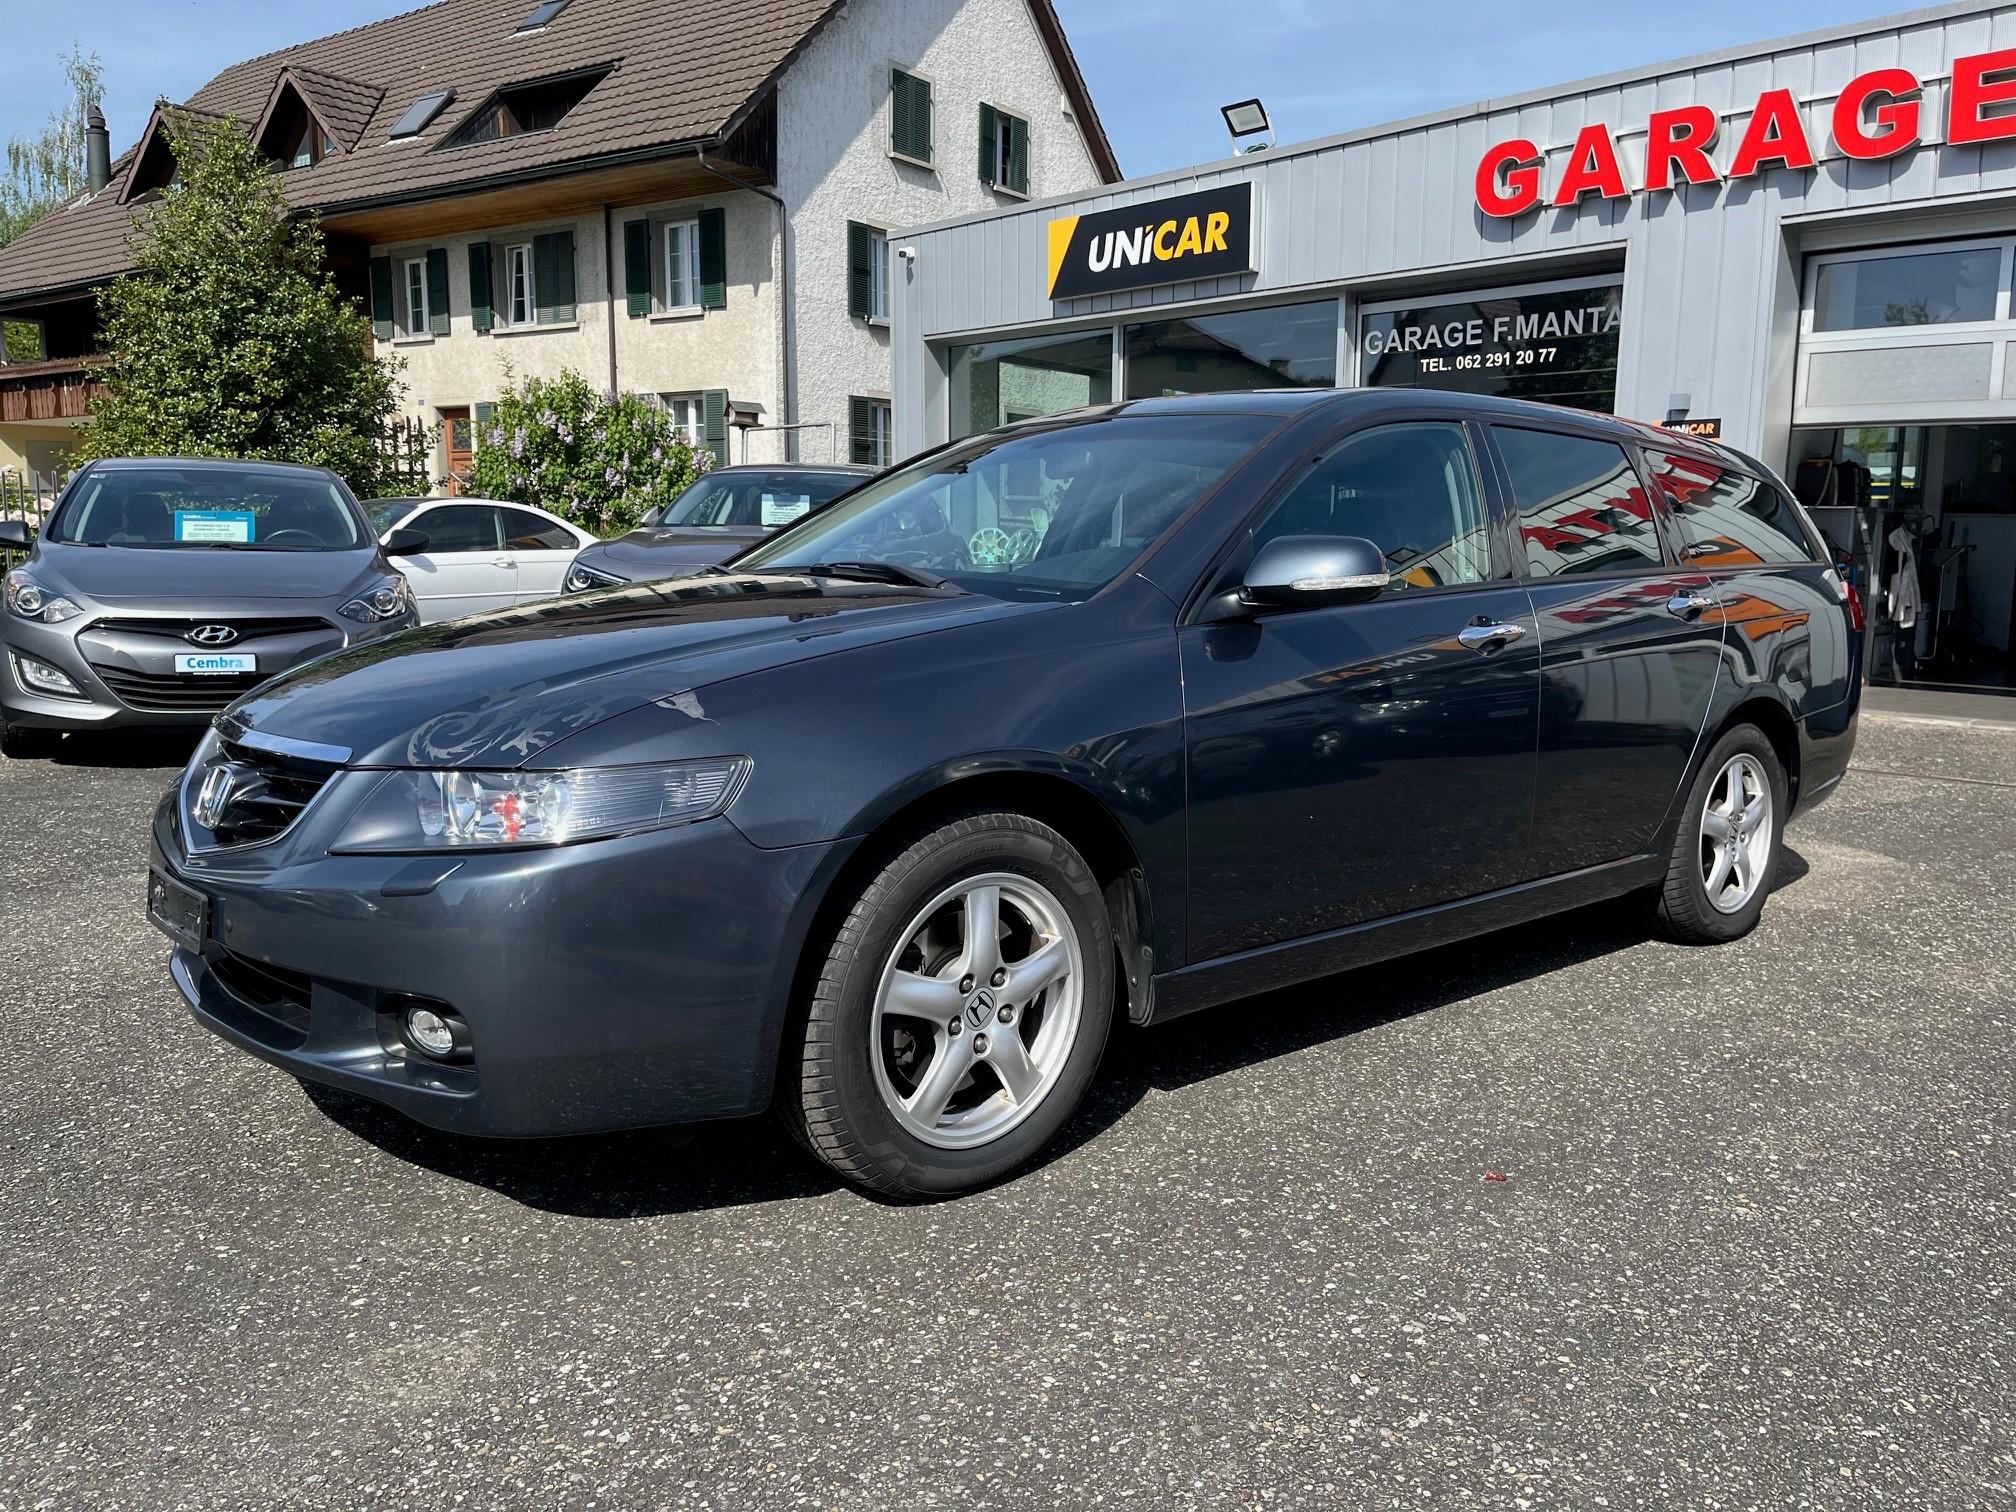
1202 235
1876 115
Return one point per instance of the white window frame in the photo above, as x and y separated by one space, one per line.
884 430
418 318
878 276
688 414
518 259
682 296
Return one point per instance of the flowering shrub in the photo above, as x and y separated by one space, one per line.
599 460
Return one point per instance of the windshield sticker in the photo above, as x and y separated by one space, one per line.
782 509
233 527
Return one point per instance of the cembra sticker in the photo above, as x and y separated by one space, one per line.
1204 235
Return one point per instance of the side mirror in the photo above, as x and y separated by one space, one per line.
15 535
407 542
1301 572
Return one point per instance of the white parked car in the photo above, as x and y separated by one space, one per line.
481 553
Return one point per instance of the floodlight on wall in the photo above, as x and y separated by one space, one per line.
1246 119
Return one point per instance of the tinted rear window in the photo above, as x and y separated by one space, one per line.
1582 509
1728 518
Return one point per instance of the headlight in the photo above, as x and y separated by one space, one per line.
386 602
432 811
580 579
29 600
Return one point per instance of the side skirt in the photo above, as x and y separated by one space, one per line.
1210 983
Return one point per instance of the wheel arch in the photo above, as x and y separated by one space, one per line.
1778 726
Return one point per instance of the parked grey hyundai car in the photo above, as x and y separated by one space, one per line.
161 590
725 511
889 823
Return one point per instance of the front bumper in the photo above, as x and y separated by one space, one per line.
618 984
128 677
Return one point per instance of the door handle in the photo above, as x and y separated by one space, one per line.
504 562
1489 637
1689 606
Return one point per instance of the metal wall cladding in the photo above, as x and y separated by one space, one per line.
1711 277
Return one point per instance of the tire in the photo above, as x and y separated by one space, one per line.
19 743
862 1088
1715 843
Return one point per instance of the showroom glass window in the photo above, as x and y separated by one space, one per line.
1553 343
1727 518
994 382
1283 346
1907 289
1411 489
1581 507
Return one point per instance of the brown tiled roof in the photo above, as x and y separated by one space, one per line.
683 72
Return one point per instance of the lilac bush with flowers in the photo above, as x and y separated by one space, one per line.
600 460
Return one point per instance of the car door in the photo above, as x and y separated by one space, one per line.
542 548
465 568
1354 761
1630 645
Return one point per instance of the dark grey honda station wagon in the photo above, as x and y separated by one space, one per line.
1129 711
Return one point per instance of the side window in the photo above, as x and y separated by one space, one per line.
526 531
1728 518
1411 489
460 527
1581 506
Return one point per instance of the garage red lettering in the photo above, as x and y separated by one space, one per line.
1979 83
1680 139
1592 168
1508 178
1776 134
1896 118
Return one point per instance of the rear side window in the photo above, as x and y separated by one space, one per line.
1728 518
1410 489
1581 507
526 531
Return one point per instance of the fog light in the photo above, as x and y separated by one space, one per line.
40 677
435 1033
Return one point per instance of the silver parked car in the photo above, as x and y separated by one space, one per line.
160 590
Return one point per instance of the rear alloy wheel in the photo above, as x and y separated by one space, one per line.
961 1012
19 743
1725 854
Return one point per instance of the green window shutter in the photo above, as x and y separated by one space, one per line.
714 415
1018 154
909 115
553 274
860 271
990 137
483 414
637 267
481 310
861 430
437 290
713 259
381 298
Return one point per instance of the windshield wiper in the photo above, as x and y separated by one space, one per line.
871 572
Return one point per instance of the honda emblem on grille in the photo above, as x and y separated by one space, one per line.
214 797
212 635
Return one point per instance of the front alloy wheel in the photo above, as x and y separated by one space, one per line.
960 1010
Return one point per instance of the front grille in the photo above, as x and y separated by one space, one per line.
268 793
158 693
248 629
273 991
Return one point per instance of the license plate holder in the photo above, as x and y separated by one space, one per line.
215 664
181 913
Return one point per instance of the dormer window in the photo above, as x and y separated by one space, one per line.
292 136
520 109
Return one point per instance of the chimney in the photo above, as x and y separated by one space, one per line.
97 151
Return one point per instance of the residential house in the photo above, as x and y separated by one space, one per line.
669 197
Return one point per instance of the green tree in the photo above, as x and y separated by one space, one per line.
598 460
230 337
42 172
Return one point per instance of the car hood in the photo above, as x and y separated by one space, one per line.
496 689
652 552
131 577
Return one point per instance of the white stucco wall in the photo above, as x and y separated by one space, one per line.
834 165
735 348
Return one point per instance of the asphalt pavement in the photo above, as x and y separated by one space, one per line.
1565 1217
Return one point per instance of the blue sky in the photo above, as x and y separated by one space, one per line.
1158 68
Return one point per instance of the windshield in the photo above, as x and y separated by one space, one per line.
252 509
1051 514
383 513
764 500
